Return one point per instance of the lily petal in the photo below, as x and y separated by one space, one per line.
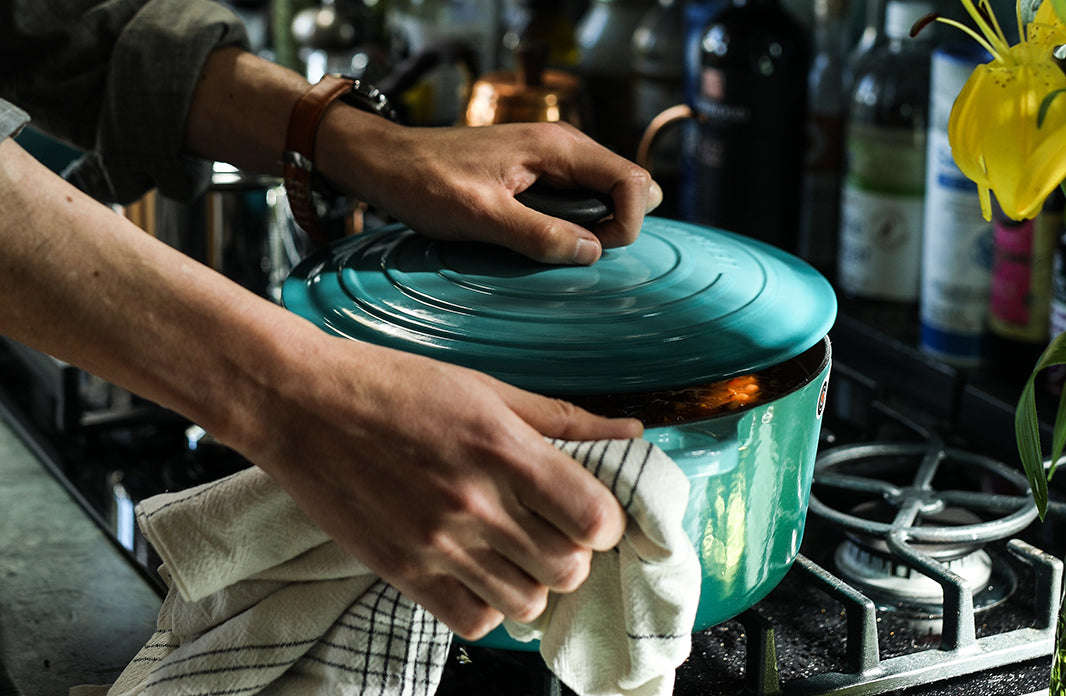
1001 137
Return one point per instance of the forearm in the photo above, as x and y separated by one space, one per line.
240 110
83 284
240 114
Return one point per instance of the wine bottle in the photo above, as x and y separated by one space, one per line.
882 205
825 151
697 15
752 113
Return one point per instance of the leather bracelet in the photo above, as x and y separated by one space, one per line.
304 120
298 157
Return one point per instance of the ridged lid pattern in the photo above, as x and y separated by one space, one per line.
683 304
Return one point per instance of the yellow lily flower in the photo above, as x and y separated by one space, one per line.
1008 125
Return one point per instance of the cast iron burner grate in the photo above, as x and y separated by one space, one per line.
943 506
895 537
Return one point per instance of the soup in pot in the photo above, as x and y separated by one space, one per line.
684 404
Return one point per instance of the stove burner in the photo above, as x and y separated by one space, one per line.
916 598
866 560
888 578
903 475
915 549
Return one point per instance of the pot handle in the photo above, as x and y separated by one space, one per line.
579 206
667 117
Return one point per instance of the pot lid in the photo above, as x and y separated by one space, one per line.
683 304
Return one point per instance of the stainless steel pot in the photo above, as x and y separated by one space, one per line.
241 227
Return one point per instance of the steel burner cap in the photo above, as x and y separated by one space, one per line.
893 580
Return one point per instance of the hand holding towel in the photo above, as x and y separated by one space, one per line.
261 601
629 625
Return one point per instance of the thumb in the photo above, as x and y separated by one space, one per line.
548 239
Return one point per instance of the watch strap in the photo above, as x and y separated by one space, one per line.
299 153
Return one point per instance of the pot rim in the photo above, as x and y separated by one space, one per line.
810 374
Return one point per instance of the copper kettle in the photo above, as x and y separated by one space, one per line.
529 93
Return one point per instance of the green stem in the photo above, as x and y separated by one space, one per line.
1056 686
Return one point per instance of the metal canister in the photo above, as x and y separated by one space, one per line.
957 242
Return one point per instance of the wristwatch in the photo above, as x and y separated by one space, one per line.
301 179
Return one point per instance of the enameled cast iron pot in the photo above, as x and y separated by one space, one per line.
683 305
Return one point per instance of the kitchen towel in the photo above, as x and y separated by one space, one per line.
629 625
261 601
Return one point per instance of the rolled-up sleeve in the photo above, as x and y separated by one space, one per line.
12 119
115 78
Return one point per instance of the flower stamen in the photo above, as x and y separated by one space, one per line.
974 35
992 32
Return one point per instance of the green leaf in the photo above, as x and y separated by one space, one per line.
1027 432
1060 9
1027 426
1046 104
1058 435
1028 9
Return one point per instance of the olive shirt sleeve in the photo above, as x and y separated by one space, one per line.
114 78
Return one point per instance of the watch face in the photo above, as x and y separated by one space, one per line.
367 97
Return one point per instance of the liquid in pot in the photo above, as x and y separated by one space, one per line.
699 402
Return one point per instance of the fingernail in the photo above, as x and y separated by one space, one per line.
655 197
587 252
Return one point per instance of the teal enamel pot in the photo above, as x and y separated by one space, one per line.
682 307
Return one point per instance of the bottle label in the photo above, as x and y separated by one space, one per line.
886 160
882 211
712 101
1012 273
1020 294
744 122
957 248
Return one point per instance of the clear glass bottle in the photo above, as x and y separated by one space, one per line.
604 39
752 108
872 36
882 205
957 241
414 25
658 73
819 228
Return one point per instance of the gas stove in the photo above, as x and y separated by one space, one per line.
923 569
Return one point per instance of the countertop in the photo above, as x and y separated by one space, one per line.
73 610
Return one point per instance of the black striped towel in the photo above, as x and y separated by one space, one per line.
261 601
629 625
